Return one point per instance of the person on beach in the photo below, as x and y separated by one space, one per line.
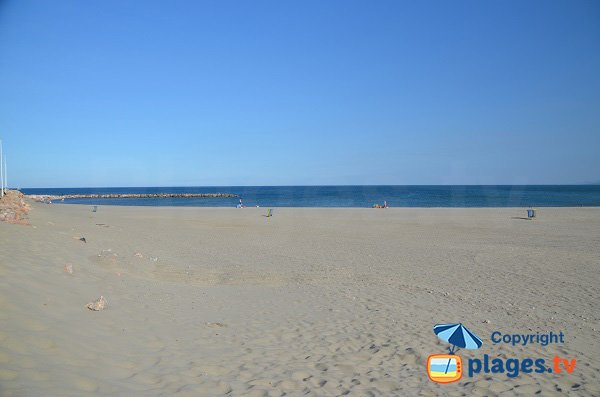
381 206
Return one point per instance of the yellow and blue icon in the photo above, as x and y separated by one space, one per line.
444 368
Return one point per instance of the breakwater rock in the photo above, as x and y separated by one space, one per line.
47 197
13 208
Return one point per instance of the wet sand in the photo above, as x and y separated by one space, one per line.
321 302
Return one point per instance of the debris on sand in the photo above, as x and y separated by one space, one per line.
138 255
107 253
98 304
216 325
68 268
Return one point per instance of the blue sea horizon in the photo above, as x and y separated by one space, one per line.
456 196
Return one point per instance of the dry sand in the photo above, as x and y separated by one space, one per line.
317 302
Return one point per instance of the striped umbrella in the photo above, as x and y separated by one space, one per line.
458 335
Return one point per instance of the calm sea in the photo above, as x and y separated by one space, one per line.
354 196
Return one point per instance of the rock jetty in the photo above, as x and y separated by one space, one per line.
13 208
48 197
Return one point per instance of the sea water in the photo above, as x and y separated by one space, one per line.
352 196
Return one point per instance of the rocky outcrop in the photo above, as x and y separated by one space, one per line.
13 208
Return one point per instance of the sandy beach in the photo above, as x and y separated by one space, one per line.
309 302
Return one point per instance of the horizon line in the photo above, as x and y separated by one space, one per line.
318 185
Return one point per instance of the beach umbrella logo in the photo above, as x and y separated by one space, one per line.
447 368
458 336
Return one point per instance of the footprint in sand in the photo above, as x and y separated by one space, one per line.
215 389
17 346
26 362
289 385
301 376
39 376
126 365
385 386
345 369
7 374
530 390
256 393
261 382
34 325
316 382
155 345
42 343
321 367
215 370
147 379
86 384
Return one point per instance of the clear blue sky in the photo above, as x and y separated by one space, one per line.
177 93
